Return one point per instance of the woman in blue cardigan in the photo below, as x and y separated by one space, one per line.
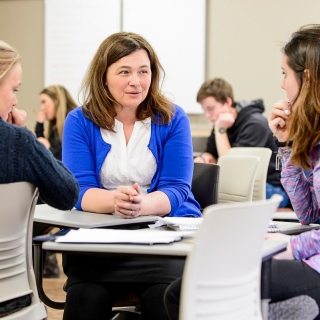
130 149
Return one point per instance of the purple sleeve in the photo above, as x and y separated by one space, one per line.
303 191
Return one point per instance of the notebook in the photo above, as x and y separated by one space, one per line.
180 223
290 228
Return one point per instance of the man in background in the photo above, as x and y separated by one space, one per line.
237 124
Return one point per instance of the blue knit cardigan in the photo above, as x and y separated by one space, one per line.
84 150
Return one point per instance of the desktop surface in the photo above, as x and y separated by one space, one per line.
82 219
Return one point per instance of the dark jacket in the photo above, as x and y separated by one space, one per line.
54 139
250 129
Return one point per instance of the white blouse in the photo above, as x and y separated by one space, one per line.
126 164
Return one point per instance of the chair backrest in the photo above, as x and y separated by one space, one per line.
237 174
259 188
221 278
205 183
17 203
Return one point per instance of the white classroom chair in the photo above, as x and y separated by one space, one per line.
222 272
17 203
264 154
237 176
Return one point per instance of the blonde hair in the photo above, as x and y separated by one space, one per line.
63 103
8 58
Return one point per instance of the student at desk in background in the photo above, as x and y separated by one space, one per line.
237 124
22 157
56 102
130 149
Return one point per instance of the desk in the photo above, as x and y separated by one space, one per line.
285 215
289 227
178 249
74 218
82 219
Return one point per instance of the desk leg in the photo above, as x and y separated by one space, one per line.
38 269
265 288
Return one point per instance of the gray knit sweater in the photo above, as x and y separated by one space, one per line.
23 158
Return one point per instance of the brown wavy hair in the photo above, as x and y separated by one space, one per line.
98 103
303 57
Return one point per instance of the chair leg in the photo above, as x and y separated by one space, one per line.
265 308
127 315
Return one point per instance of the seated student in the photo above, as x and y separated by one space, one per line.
237 124
296 124
135 152
56 102
22 157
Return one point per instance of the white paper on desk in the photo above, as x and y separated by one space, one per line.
119 236
182 223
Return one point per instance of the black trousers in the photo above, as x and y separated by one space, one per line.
93 301
95 283
289 278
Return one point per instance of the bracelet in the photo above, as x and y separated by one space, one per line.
282 151
282 144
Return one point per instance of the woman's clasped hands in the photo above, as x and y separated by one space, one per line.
127 201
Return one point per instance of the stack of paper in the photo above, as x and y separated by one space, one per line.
183 224
141 236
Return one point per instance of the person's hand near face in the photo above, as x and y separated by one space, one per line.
17 117
47 110
9 86
225 120
220 114
282 109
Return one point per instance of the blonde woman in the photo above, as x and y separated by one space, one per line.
56 102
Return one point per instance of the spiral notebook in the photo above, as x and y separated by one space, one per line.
288 227
273 227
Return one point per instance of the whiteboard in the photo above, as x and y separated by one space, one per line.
74 30
175 28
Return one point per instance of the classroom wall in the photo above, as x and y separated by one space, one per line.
21 25
244 39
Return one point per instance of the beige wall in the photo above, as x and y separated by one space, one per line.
22 25
243 45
